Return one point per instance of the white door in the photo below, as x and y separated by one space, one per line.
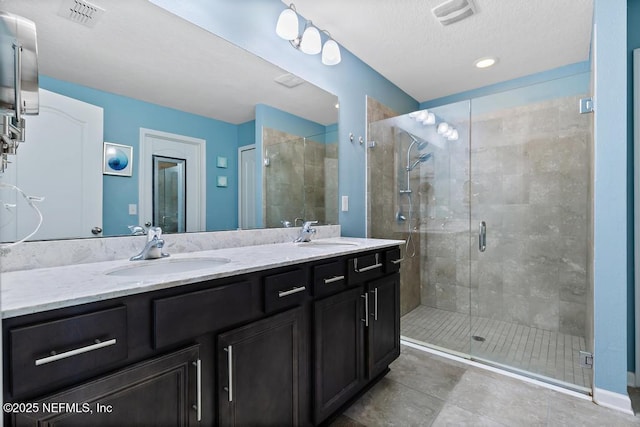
247 186
60 160
192 150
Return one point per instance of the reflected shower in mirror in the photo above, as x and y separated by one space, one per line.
169 194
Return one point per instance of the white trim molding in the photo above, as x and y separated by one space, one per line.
609 399
196 220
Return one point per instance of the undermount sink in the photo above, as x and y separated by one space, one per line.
164 266
321 244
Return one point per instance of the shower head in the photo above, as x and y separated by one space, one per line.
421 159
422 144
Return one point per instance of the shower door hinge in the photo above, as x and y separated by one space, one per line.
586 360
586 105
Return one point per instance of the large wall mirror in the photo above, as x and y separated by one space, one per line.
270 138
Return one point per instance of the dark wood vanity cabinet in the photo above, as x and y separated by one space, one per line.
163 391
287 346
338 331
383 331
262 372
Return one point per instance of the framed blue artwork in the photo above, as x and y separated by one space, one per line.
117 159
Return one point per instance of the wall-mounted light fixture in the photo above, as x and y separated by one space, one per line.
310 41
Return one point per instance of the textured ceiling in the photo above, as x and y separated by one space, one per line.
404 42
130 52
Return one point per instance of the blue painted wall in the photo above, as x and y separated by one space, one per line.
123 118
250 24
611 196
247 133
633 42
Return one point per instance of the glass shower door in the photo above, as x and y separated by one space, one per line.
529 199
418 191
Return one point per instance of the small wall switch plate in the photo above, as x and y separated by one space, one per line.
133 209
345 203
221 162
222 181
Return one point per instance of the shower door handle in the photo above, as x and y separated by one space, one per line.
482 237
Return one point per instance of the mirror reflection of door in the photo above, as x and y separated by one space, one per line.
247 187
169 194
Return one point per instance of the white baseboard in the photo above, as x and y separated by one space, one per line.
609 399
631 379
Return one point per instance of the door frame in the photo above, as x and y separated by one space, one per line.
145 178
241 179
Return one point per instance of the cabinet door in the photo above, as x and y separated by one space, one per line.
339 355
383 333
262 370
160 392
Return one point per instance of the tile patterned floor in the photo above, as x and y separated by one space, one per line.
423 389
541 352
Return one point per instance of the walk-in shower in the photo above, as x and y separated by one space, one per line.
514 293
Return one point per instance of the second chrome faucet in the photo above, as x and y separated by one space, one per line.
153 248
306 232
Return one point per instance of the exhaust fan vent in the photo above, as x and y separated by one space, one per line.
81 12
289 80
453 11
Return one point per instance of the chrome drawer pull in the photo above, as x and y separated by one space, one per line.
198 405
397 261
99 344
333 279
371 267
366 309
291 291
375 310
229 389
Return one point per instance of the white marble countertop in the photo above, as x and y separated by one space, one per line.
31 291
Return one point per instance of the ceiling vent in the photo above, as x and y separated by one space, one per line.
453 11
289 80
81 12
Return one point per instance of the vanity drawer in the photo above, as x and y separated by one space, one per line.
285 290
329 278
392 260
182 317
364 268
71 348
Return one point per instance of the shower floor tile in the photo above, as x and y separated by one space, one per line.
534 350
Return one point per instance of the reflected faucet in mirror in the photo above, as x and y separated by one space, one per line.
306 232
153 248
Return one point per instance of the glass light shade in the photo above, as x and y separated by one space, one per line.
287 26
331 53
430 120
311 43
414 114
454 135
422 115
443 127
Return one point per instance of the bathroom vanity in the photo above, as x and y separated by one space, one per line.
279 334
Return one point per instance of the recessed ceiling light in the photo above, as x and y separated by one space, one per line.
485 62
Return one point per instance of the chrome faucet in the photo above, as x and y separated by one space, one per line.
306 231
137 230
153 248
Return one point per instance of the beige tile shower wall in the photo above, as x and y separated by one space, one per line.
301 179
383 199
530 169
283 187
